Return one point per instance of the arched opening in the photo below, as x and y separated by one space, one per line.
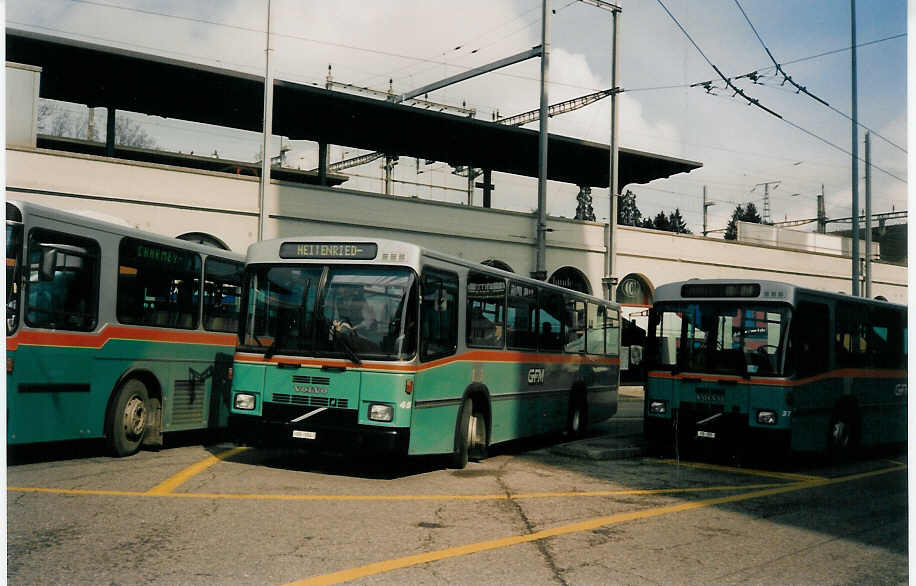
635 289
497 264
202 238
571 278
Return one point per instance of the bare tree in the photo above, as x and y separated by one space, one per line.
57 121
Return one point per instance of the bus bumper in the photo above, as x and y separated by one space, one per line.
347 438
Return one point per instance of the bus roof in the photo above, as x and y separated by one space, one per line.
359 250
748 289
29 209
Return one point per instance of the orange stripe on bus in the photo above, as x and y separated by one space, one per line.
99 339
784 382
471 356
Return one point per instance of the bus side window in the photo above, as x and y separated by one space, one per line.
810 338
486 310
63 285
851 342
222 294
612 332
885 333
521 316
551 315
438 315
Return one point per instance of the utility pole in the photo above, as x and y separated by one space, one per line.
268 130
821 213
766 199
868 215
540 270
855 160
706 205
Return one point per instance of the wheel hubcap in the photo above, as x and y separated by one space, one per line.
840 434
134 417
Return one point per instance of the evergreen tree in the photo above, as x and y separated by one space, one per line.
741 214
661 222
676 222
627 212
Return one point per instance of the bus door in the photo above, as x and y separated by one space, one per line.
50 377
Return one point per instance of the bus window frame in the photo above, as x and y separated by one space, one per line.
196 315
43 237
500 343
444 275
240 266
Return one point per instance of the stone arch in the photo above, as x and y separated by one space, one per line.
497 264
571 278
203 238
635 289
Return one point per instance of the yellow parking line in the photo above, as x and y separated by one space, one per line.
191 471
411 497
749 471
404 562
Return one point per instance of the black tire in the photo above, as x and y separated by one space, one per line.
127 418
462 436
842 434
577 418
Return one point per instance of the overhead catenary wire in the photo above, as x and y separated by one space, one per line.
799 88
757 103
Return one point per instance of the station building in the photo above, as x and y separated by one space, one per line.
213 200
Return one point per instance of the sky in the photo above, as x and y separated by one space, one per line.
411 43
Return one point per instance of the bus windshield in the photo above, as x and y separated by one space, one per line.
13 264
317 310
720 337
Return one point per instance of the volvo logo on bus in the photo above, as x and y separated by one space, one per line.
310 389
536 376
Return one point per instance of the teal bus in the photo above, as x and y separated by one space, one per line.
352 343
114 332
763 365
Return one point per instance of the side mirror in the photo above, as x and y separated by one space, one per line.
60 257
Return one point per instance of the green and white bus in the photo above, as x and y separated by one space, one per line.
350 343
774 367
114 332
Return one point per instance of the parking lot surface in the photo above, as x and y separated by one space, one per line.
538 512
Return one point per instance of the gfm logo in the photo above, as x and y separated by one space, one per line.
536 376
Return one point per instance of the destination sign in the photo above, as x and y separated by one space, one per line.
329 250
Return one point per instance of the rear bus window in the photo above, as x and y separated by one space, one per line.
222 294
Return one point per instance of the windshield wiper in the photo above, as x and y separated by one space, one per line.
341 340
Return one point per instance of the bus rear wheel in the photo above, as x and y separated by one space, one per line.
577 418
127 418
843 434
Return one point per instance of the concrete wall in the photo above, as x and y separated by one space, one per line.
173 201
22 82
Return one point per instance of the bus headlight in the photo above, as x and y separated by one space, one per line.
380 412
766 417
245 401
658 407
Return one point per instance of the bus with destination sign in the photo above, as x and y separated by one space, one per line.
384 345
114 332
774 367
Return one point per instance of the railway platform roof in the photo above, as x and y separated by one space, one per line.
102 76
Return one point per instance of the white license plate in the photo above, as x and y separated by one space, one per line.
304 434
708 434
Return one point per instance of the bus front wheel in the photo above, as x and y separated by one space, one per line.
127 418
470 436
